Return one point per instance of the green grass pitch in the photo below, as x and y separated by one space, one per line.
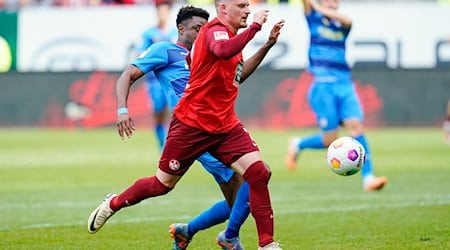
50 180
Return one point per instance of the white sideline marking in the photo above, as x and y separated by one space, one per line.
281 211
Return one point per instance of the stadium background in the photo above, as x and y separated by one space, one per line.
64 60
62 63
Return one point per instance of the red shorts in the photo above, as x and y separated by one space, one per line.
184 144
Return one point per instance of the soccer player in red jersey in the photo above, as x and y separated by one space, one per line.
205 119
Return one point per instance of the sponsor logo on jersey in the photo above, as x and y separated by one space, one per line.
221 35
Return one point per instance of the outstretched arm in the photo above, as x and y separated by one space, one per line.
330 13
253 62
125 125
306 7
225 48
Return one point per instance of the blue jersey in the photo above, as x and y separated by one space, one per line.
327 60
168 62
149 37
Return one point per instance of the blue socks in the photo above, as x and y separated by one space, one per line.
214 215
160 130
240 212
220 212
366 170
313 142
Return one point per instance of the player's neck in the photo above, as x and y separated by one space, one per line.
181 44
229 26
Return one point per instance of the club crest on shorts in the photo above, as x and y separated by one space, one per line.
174 164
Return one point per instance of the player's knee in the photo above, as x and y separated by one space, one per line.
354 127
257 174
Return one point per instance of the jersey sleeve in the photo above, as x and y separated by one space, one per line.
221 45
154 58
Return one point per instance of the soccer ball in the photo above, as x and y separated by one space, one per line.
345 156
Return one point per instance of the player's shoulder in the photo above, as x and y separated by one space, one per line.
151 30
162 45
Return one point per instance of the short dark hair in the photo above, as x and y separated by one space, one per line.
187 12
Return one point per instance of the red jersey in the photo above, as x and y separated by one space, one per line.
209 98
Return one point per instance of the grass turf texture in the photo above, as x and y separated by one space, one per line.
52 179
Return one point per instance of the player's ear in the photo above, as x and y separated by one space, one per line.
180 28
223 8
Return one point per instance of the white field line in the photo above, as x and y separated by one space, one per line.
170 202
289 211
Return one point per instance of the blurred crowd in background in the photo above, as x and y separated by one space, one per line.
13 5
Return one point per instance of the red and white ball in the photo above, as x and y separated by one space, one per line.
346 156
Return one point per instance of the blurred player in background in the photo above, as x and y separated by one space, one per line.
161 32
446 124
332 94
156 60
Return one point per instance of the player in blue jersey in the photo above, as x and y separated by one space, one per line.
168 63
332 94
161 32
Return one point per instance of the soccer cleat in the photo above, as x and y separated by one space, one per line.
181 238
375 184
292 153
100 215
229 244
272 246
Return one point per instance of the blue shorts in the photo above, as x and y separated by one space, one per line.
334 102
156 93
221 173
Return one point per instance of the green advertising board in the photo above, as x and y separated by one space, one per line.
8 41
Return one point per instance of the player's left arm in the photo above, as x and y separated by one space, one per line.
331 13
254 61
224 47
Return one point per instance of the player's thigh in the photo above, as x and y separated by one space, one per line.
324 104
216 168
350 107
237 145
183 145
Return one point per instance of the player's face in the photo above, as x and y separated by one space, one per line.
237 13
330 4
191 29
163 11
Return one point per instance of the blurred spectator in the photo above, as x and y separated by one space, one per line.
284 1
76 2
200 2
16 4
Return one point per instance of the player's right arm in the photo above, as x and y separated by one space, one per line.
155 57
330 13
125 125
306 7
